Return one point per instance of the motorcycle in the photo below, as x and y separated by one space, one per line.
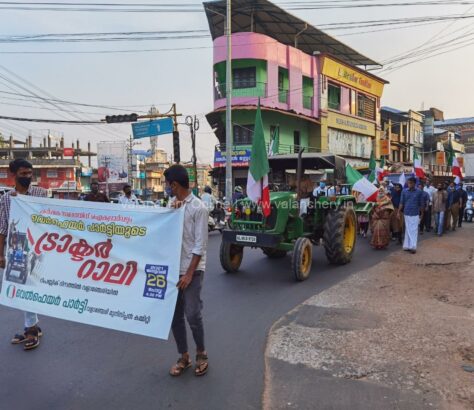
469 212
215 225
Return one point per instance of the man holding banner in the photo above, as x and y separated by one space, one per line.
23 172
193 265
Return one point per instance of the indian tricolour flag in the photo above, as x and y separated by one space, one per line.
257 181
361 184
454 164
417 167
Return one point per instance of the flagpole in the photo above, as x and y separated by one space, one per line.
228 122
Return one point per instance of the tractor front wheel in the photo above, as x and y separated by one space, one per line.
302 259
231 256
340 235
274 253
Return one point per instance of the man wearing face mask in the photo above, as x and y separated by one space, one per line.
191 275
95 195
128 198
23 172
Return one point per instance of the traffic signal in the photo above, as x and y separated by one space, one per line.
176 151
114 119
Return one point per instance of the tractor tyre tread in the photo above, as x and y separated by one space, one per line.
333 237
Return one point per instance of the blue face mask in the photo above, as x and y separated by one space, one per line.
322 185
168 191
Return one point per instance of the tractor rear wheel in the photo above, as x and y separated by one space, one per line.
274 253
231 256
302 259
340 235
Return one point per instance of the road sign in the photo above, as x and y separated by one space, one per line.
153 128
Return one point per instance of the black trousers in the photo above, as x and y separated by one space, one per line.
189 305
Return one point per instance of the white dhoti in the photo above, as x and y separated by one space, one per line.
411 232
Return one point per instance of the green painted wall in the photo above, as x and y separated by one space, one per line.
261 71
288 125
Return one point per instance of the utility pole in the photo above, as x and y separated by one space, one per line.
228 122
131 144
106 162
193 124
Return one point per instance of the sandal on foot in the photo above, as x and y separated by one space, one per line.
180 366
202 365
21 337
32 338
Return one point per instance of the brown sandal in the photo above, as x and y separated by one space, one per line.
202 364
21 337
32 338
180 366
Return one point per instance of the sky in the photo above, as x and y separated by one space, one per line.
136 81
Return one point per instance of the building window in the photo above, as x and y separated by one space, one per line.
296 140
308 93
51 173
365 107
244 77
243 134
283 85
334 97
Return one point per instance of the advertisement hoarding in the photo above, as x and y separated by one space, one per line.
112 162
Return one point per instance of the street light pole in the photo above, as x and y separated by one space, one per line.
228 121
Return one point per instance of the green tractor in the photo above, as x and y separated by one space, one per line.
330 220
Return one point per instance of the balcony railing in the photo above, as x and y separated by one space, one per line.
282 148
241 89
308 102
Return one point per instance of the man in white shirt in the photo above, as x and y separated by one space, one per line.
430 190
208 199
193 265
128 197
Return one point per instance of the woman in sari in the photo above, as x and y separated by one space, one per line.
380 221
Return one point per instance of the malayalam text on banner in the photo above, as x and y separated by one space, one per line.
107 265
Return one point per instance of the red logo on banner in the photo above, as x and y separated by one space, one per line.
68 152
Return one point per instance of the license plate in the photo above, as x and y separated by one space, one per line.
246 238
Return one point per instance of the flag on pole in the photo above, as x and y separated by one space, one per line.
381 172
361 184
454 164
257 181
372 167
417 168
402 180
275 142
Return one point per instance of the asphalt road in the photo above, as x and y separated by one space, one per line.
85 367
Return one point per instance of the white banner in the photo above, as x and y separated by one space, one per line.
107 265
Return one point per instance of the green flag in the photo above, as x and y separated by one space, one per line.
259 166
372 167
275 142
451 154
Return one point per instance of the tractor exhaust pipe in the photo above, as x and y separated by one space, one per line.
299 174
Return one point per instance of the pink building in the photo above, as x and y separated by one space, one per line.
312 90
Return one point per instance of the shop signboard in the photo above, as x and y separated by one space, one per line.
467 138
352 77
113 162
348 144
240 158
440 158
385 147
351 124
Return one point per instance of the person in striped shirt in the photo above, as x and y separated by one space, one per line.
23 173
